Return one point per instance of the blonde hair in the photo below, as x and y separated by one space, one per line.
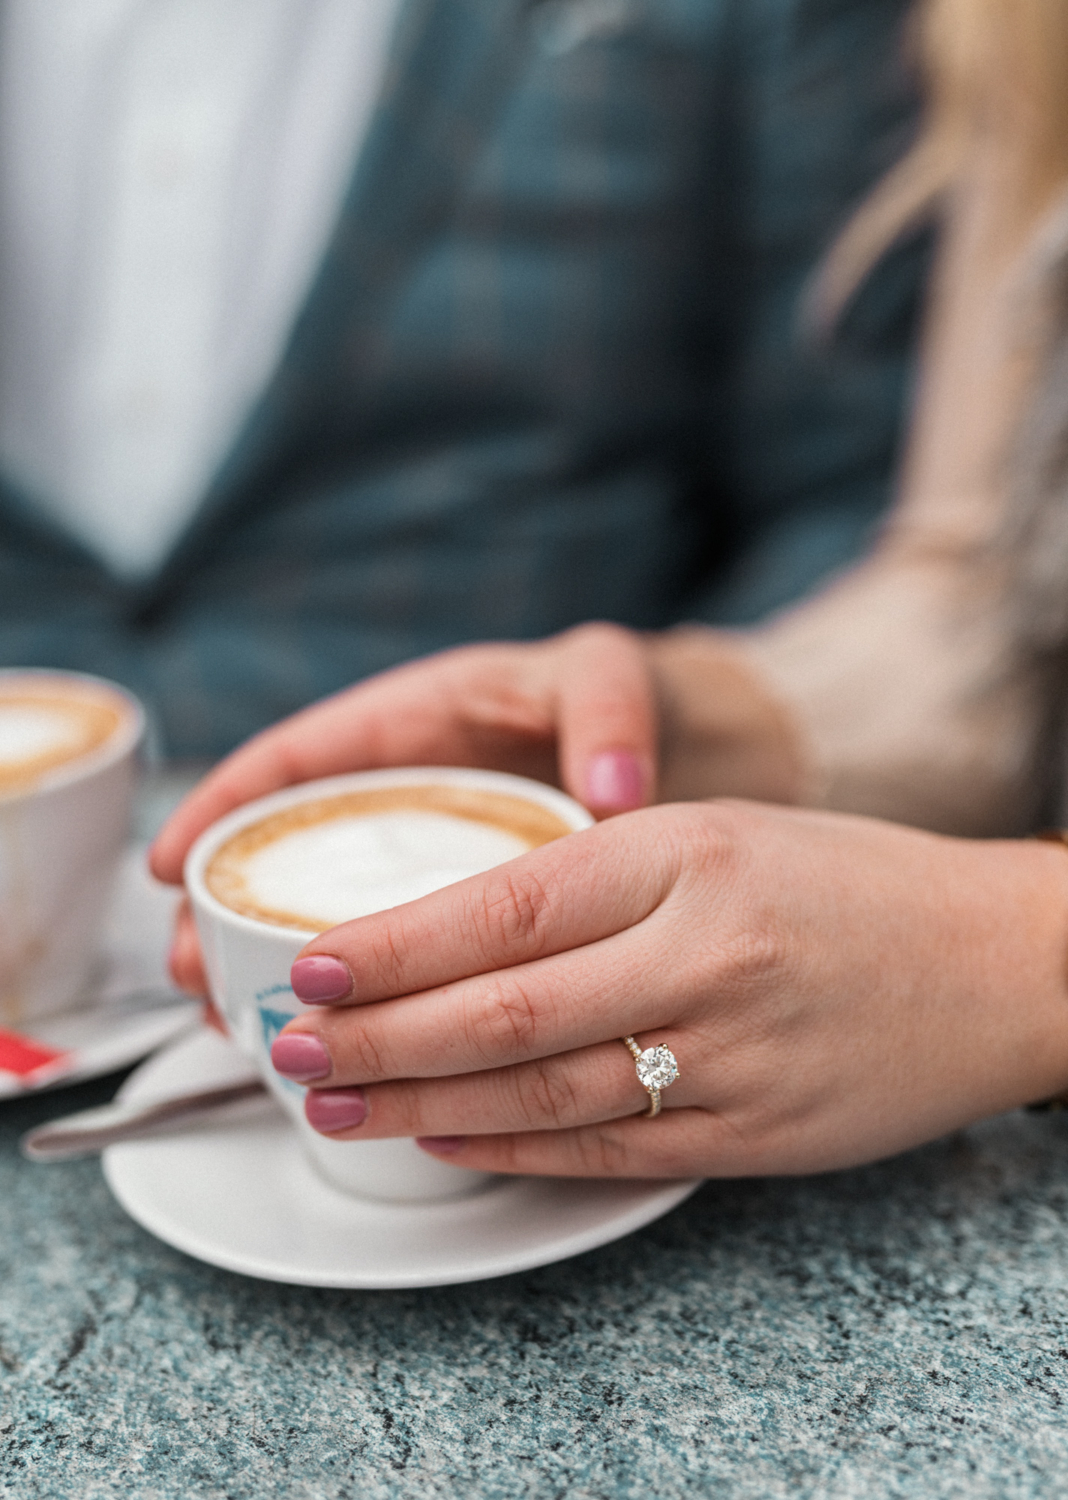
995 73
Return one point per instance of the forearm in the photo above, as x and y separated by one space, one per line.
915 696
725 731
896 693
907 697
912 697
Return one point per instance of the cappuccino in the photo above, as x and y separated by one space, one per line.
48 722
68 765
270 874
330 859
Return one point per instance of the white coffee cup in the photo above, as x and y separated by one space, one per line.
68 767
248 959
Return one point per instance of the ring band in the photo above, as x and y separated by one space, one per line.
657 1069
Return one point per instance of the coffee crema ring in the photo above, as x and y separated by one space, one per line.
226 876
60 722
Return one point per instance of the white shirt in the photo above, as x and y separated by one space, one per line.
170 176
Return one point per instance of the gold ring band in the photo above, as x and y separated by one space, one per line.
657 1069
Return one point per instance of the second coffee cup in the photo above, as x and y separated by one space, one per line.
68 770
269 876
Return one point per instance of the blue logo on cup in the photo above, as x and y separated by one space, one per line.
272 1022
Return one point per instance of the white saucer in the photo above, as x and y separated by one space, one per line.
242 1196
132 1008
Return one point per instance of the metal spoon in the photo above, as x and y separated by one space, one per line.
90 1130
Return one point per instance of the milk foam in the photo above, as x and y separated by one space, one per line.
349 867
30 731
48 722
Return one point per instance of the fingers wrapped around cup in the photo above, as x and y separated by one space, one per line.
833 989
515 1058
564 1093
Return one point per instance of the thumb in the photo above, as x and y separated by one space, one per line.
606 720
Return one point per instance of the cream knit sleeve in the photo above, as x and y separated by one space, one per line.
906 700
905 683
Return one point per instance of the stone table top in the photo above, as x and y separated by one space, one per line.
900 1330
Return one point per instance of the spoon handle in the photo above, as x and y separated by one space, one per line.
90 1130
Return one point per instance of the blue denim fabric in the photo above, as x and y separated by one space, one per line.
550 368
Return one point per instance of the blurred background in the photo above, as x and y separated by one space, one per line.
334 334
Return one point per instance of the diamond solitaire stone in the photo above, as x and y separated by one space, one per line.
657 1068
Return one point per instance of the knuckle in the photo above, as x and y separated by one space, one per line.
506 1022
403 1103
358 1053
511 915
385 958
710 838
509 1153
708 848
743 974
710 852
602 1153
545 1098
755 956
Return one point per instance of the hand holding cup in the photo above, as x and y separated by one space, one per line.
835 990
617 719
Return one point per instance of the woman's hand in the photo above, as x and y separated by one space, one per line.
618 719
834 989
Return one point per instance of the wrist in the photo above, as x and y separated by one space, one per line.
724 732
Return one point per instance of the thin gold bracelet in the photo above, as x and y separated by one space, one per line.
1059 1102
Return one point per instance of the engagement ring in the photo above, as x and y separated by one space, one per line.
657 1069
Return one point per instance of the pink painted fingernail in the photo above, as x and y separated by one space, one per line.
300 1056
614 781
329 1110
319 979
441 1145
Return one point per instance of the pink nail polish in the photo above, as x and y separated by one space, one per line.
442 1145
300 1056
328 1110
614 781
320 979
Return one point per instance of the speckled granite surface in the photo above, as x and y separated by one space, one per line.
899 1331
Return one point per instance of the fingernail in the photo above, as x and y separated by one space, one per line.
441 1145
614 780
300 1056
327 1110
317 979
